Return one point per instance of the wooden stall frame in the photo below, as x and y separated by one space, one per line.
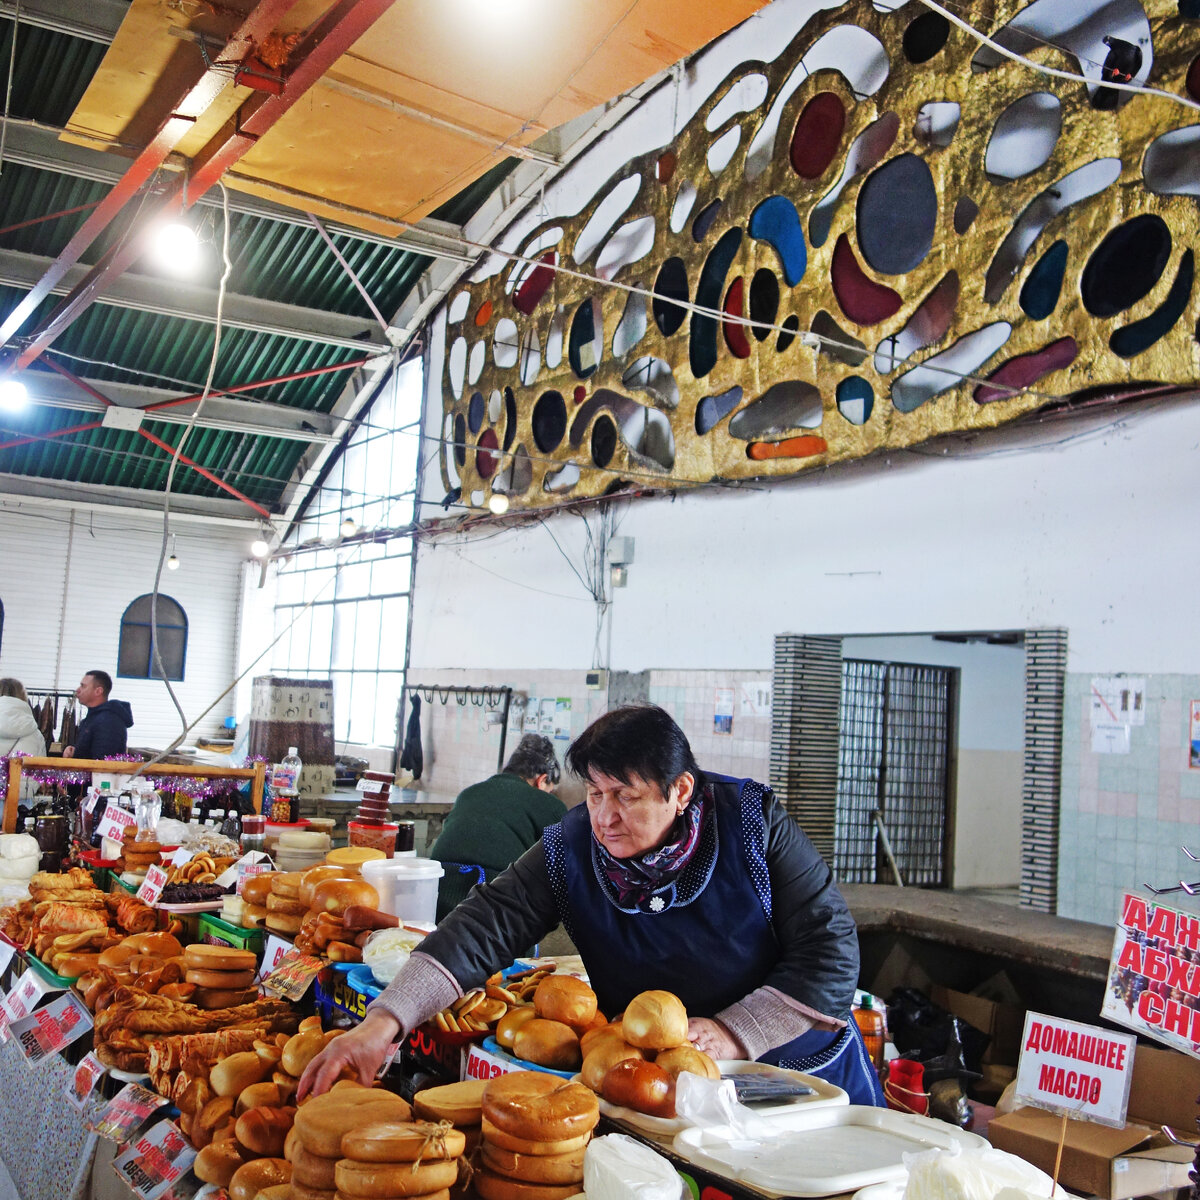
257 775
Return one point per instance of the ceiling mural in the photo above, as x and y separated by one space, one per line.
886 234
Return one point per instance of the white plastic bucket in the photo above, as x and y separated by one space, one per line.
407 887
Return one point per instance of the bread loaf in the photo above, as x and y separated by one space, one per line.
655 1020
218 958
565 998
399 1142
336 895
687 1058
210 1118
232 1075
380 1181
459 1103
549 1044
250 1178
300 1050
322 1121
256 889
490 1186
285 884
507 1141
217 1163
534 1168
263 1131
312 1170
539 1107
259 1095
642 1086
598 1061
507 1026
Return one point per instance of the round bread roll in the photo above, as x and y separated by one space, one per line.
299 1050
285 923
292 1145
203 957
215 1113
687 1058
379 1181
254 916
565 998
539 1107
642 1086
593 1037
506 1141
507 1026
399 1142
535 1168
263 1131
269 1052
286 1085
159 943
655 1020
259 1095
230 981
115 957
440 1194
71 966
282 904
250 1178
285 883
312 1170
599 1059
217 1163
490 1186
549 1044
323 1120
315 875
256 889
459 1103
337 895
232 1075
210 998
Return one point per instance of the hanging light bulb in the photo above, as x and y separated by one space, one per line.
259 548
349 528
173 561
498 503
177 248
14 395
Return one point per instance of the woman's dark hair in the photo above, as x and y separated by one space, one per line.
638 739
534 756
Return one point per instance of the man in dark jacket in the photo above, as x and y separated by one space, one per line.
494 822
103 732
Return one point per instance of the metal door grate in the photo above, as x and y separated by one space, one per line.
893 757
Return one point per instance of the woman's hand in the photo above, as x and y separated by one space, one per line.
362 1050
709 1036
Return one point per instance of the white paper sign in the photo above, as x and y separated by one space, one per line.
155 1161
181 856
273 951
152 885
1080 1070
114 822
24 996
233 873
7 950
52 1029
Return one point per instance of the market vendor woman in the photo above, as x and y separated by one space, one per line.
667 878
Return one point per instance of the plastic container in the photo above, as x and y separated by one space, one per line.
274 828
870 1024
407 887
376 835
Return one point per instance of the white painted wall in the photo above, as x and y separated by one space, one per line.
112 562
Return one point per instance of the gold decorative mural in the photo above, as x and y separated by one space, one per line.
888 234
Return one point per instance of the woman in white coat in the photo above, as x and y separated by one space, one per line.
19 733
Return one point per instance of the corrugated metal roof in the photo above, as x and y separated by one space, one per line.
271 260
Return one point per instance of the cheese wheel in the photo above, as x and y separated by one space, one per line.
227 980
290 906
203 957
507 1141
353 856
403 1141
489 1186
256 889
285 884
459 1103
312 1170
323 1120
210 998
304 839
379 1181
535 1168
288 923
301 1191
540 1107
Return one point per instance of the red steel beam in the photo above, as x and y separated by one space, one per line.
261 383
190 462
324 44
204 84
45 437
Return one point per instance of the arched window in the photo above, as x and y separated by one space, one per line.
135 658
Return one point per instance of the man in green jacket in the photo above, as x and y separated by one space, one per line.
494 822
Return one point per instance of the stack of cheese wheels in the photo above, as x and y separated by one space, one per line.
255 892
416 1159
285 911
459 1103
224 977
536 1128
315 1144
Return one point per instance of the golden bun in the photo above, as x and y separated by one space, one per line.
233 1074
337 895
539 1107
230 981
315 875
640 1085
687 1058
507 1026
599 1059
549 1044
565 998
216 1163
160 944
263 1131
256 889
593 1037
258 1095
250 1178
655 1020
203 957
299 1050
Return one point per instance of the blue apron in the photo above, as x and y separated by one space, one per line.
707 937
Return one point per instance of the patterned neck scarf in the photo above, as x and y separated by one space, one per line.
637 878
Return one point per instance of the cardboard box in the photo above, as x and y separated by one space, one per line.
1116 1163
1003 1023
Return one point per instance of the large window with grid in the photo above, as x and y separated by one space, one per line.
139 640
341 609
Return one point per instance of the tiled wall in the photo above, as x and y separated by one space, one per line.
1125 816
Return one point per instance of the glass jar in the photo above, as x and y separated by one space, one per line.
254 833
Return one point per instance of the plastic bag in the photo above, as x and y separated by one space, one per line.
975 1174
711 1103
18 845
925 1031
616 1167
387 950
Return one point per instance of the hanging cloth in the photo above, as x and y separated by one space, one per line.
46 721
411 757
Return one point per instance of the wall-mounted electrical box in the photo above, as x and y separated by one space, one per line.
620 551
596 680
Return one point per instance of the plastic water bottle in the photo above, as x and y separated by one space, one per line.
870 1024
287 778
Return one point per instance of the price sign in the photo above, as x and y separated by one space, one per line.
181 856
114 822
51 1029
233 874
152 885
80 1089
273 953
155 1161
249 865
293 975
24 996
126 1111
7 950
